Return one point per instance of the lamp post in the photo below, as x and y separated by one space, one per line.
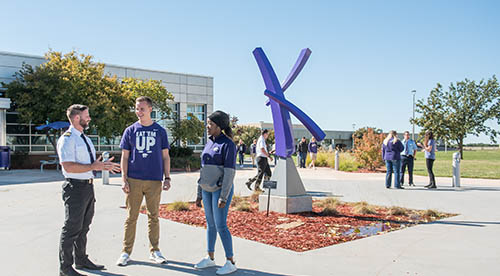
352 137
413 132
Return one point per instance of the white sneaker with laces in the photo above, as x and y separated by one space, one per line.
123 260
228 267
205 262
157 257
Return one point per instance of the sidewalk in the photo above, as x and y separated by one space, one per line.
32 215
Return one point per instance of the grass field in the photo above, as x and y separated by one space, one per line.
476 164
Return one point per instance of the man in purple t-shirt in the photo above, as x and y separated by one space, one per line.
145 165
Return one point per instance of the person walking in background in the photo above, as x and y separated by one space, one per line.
302 152
216 188
242 148
262 164
253 151
391 150
145 173
407 158
429 148
313 151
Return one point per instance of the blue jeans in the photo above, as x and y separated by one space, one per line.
393 166
302 159
217 221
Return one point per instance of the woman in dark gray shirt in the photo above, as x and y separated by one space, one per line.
430 155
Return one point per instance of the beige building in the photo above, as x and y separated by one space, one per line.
192 93
334 138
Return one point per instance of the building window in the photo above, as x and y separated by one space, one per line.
198 110
165 123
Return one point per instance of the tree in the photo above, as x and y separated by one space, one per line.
135 88
462 110
44 92
246 133
188 130
361 131
368 149
233 120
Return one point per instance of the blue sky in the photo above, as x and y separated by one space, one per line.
366 55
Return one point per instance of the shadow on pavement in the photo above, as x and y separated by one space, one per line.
18 177
101 272
452 189
467 223
189 268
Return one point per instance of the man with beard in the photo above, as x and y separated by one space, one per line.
77 156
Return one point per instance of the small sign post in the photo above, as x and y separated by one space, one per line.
269 185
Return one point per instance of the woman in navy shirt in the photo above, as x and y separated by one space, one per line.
215 188
313 152
391 153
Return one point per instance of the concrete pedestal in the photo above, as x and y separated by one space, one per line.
290 195
286 205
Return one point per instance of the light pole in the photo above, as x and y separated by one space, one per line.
413 132
352 137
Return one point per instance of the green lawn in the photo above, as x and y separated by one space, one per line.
476 164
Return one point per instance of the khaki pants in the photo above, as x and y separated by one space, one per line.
151 190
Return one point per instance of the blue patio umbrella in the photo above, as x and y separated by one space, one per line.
54 125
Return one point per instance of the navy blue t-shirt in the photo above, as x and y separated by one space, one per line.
145 144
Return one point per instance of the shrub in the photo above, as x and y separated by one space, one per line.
347 162
255 197
328 211
329 202
323 159
363 208
236 200
243 206
398 211
188 163
176 151
431 213
329 206
178 206
368 149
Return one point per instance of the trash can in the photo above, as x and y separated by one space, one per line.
4 157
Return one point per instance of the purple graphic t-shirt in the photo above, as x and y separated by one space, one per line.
145 144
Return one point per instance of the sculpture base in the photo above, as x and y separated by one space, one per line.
286 205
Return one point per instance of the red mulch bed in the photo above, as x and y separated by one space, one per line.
316 231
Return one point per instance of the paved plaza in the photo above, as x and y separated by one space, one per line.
32 215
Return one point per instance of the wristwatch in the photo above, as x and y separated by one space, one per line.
166 178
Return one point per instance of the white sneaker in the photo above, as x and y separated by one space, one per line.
157 257
123 260
228 267
205 262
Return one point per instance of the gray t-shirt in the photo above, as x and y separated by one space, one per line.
431 154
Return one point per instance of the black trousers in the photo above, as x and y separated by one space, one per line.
406 161
430 163
79 202
262 169
241 156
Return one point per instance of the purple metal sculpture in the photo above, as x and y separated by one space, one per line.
281 107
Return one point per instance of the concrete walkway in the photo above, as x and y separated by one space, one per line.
32 214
